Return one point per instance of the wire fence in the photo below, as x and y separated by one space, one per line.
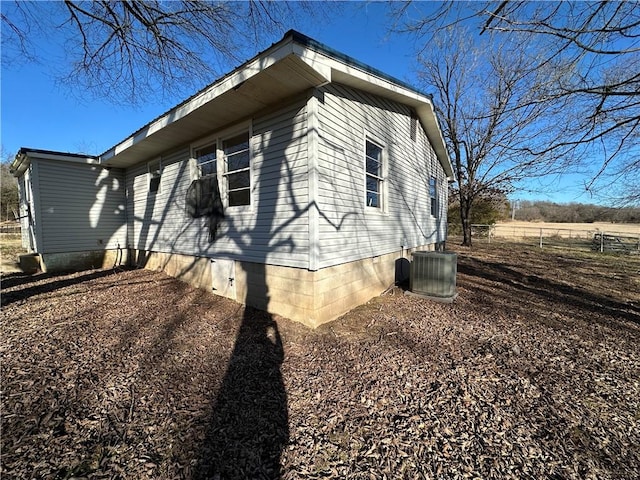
594 240
10 228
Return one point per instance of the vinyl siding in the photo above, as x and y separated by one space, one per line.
348 230
27 209
273 230
81 207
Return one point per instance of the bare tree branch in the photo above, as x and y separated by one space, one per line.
591 51
130 49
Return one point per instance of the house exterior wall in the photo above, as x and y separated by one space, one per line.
307 246
81 207
274 229
27 220
348 230
308 166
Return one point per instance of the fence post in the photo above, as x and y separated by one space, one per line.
540 238
601 242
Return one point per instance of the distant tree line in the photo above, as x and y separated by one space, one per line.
489 210
8 193
533 211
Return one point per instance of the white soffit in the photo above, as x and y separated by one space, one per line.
268 79
289 67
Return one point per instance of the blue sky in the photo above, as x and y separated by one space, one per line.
36 112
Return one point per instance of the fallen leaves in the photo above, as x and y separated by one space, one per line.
135 375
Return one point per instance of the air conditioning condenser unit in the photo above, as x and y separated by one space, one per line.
433 275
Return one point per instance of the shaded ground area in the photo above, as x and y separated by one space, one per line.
534 372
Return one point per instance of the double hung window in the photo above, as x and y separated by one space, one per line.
237 169
433 193
374 174
230 158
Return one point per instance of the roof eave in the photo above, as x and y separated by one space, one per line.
23 158
316 63
232 80
429 119
20 164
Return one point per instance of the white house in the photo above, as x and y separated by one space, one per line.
297 183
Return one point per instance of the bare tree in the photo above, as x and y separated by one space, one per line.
484 96
8 188
127 50
597 48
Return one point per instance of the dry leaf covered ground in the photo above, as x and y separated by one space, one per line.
533 372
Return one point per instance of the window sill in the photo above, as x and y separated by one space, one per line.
240 209
375 211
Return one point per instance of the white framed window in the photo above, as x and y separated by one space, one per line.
374 174
154 173
433 194
207 159
237 169
227 155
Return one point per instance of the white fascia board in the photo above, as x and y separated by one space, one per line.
315 60
23 159
270 57
19 165
326 65
63 157
428 117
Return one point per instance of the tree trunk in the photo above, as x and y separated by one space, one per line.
465 209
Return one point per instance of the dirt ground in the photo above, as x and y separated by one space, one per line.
533 372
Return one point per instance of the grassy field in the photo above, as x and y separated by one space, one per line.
10 250
523 229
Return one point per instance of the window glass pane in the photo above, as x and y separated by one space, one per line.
207 153
238 180
374 151
236 144
154 184
155 173
208 169
374 167
236 152
373 185
433 193
374 174
239 197
206 157
238 161
373 199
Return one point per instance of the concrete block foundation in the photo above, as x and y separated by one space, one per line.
309 297
87 260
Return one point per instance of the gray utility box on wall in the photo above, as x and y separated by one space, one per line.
433 274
